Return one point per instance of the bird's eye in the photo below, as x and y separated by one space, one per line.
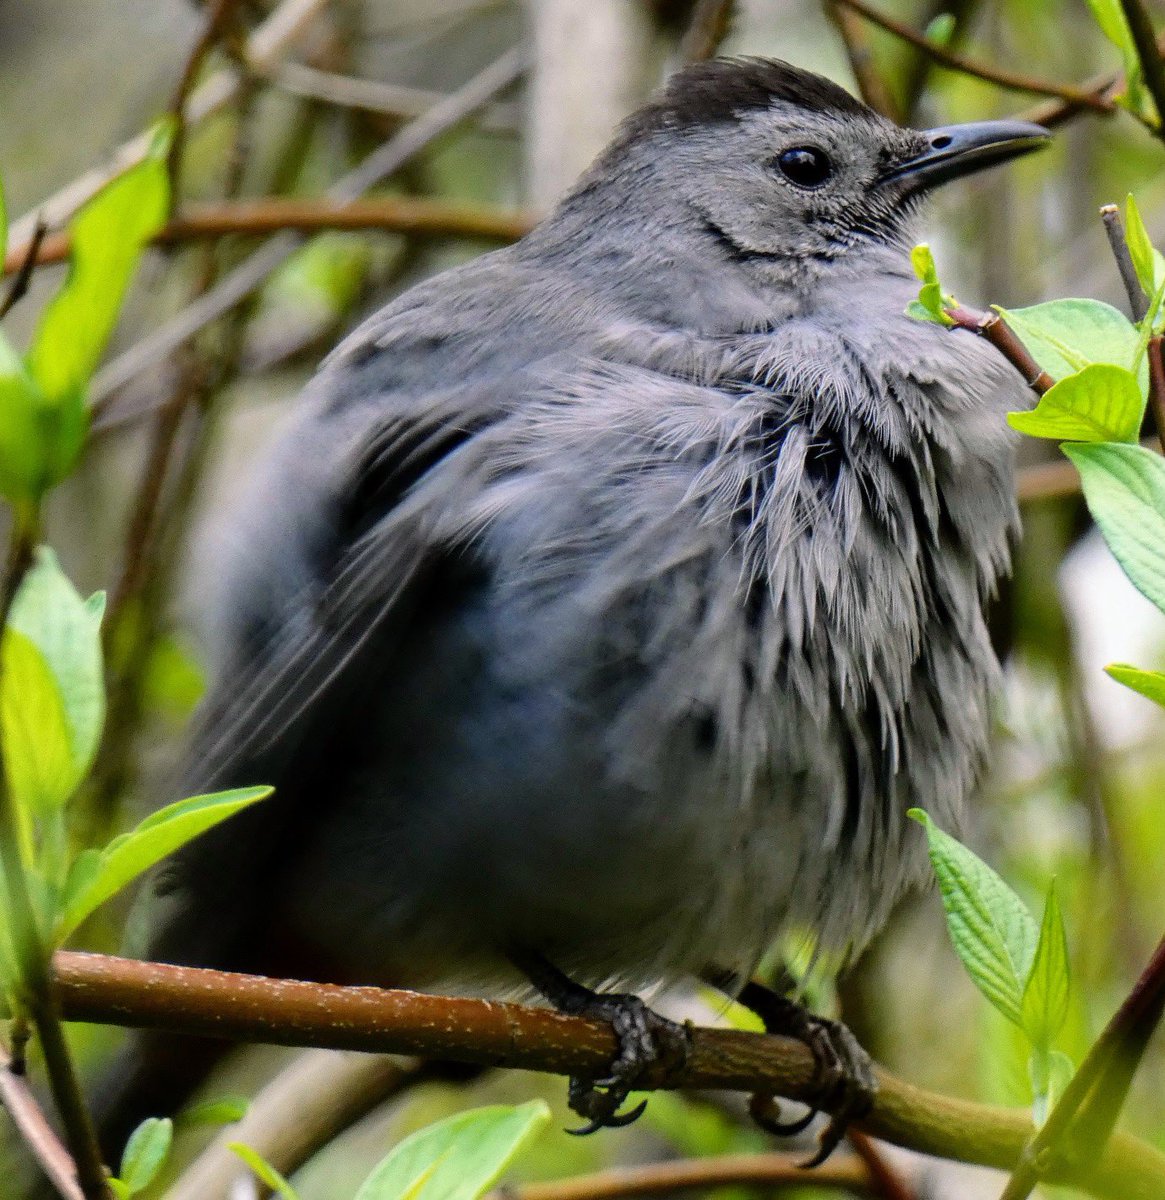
806 166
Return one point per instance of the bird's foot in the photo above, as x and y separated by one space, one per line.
844 1083
647 1043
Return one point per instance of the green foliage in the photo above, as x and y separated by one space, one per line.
931 300
1100 403
1020 968
264 1171
1149 683
144 1156
941 29
1124 487
1110 17
223 1110
459 1158
97 875
1147 259
1065 336
52 701
42 396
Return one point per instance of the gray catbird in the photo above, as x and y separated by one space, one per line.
609 599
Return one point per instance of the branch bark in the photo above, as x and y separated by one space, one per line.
152 995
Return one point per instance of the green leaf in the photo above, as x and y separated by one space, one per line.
931 300
1065 336
108 236
21 405
1050 1072
941 29
459 1158
1140 247
1101 403
224 1110
1045 995
1111 18
38 752
264 1170
66 632
1125 490
134 853
992 931
145 1153
1149 683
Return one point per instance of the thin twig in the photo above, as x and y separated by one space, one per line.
872 87
410 215
754 1171
997 331
28 261
386 99
244 279
1115 230
1149 55
288 1012
1011 80
266 47
218 17
38 1135
710 24
885 1178
1082 1122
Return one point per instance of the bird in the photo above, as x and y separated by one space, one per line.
606 601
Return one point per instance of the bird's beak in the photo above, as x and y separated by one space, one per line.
954 150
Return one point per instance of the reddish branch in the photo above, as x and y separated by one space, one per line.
997 331
124 992
256 218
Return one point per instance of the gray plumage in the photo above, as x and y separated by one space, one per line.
613 596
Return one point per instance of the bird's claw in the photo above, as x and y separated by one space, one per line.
646 1041
843 1084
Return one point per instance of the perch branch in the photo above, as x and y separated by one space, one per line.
124 992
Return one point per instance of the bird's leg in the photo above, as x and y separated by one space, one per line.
844 1082
646 1040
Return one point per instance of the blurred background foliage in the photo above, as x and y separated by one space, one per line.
1073 787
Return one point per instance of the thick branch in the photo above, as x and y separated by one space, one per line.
123 992
1012 80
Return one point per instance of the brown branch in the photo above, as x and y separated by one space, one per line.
413 216
997 331
1157 387
38 1135
1115 231
691 1174
710 24
1082 1122
23 264
871 85
153 995
1013 81
1149 55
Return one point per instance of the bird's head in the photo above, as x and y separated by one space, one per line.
777 163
